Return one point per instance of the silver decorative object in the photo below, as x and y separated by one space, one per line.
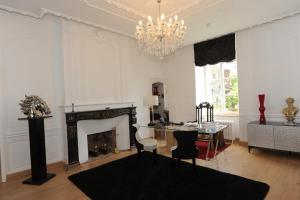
34 107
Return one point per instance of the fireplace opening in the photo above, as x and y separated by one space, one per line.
102 143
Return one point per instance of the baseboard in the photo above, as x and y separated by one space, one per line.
228 140
241 143
27 172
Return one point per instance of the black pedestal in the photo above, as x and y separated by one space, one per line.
38 181
39 173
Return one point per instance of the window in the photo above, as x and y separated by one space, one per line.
218 84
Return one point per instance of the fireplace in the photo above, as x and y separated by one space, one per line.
102 143
84 123
90 127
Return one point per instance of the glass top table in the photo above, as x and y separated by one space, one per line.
202 128
212 129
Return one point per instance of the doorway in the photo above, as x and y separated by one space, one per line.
160 113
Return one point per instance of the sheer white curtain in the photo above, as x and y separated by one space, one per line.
200 85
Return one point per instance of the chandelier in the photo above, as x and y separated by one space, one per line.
160 37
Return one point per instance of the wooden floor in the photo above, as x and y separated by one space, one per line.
278 169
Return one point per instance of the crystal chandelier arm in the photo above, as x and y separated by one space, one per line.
158 1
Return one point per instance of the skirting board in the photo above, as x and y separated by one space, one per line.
27 172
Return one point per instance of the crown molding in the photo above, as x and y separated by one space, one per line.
45 12
64 16
126 8
143 15
139 14
119 6
193 4
20 12
180 10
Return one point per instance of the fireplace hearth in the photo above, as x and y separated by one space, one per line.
102 143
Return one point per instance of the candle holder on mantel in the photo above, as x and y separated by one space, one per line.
262 118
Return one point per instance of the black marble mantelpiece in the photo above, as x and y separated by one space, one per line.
73 117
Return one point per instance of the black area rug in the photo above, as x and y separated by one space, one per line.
128 179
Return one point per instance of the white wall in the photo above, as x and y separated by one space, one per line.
2 161
104 67
268 63
29 65
64 62
180 78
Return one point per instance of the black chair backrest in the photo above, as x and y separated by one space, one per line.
209 112
186 148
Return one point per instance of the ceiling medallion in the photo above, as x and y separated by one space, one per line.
160 37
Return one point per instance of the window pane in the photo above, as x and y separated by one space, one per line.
218 84
231 86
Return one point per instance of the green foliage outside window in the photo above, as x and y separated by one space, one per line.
232 99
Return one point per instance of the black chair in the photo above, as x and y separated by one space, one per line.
209 112
209 117
186 148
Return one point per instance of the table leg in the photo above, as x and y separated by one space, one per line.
219 136
210 142
217 144
170 140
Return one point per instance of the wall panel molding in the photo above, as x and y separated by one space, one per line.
18 148
2 116
80 74
11 136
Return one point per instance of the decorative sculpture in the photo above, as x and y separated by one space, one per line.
262 118
290 112
36 110
34 107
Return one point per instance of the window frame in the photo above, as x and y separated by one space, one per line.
224 111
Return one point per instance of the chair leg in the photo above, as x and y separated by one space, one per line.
139 151
178 161
173 160
178 165
154 155
194 164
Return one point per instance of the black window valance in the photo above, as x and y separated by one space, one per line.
213 51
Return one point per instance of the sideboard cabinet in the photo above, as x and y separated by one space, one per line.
274 135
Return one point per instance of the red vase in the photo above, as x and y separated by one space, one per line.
262 118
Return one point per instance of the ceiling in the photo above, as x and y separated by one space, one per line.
205 18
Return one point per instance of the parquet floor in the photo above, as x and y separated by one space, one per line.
278 169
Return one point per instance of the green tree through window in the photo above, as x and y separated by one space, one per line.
232 99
